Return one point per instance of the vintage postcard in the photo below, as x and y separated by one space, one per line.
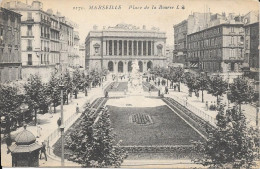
129 83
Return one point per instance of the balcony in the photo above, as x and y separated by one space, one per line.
46 22
28 20
45 35
29 48
29 33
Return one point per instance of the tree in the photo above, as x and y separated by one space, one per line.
191 82
36 95
93 144
203 82
68 85
231 144
76 78
217 87
241 92
10 100
54 90
178 76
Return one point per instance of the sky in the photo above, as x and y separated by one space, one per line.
135 12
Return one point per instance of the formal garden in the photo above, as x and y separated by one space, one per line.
166 127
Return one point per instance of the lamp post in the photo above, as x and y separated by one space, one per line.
62 124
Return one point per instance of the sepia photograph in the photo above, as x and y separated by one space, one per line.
129 83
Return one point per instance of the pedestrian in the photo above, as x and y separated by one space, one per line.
43 150
50 111
76 93
77 108
59 122
174 87
207 105
71 96
166 90
86 91
38 130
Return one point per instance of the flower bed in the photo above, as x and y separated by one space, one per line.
167 127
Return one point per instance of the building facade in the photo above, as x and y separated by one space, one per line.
74 57
10 45
217 49
116 47
82 55
46 38
251 26
195 22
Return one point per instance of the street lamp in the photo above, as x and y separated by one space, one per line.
62 124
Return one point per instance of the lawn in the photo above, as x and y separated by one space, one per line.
167 127
117 86
146 87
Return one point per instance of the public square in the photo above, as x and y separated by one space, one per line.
125 84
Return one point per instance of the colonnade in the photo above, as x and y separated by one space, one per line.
129 47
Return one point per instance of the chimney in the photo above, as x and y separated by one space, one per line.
37 5
95 27
50 11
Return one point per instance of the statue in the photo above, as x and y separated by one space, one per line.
135 80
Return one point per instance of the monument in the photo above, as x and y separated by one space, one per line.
135 86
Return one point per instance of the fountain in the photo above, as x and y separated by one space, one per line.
135 87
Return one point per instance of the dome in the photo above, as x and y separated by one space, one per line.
25 137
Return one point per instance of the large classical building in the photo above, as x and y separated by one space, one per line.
116 47
10 45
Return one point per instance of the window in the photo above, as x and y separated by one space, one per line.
29 15
232 29
232 40
41 59
29 45
29 30
29 59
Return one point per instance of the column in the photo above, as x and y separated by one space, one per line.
117 48
107 51
132 48
127 46
153 48
115 66
142 48
145 66
123 47
146 48
125 66
104 48
137 46
113 46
